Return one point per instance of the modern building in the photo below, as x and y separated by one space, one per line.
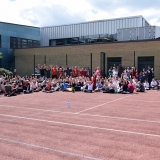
129 41
14 36
89 32
138 33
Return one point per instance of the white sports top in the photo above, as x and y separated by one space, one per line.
90 87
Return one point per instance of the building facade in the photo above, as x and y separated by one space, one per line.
88 32
138 33
133 53
14 36
130 41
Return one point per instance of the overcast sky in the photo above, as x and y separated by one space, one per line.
57 12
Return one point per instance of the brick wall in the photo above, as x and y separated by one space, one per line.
80 55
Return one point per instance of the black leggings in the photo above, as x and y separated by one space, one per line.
88 91
108 91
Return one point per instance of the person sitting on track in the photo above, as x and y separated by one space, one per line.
89 87
78 84
120 87
111 87
35 86
105 86
67 86
131 86
146 85
15 88
98 86
1 87
154 84
43 84
140 87
26 87
48 89
8 90
55 85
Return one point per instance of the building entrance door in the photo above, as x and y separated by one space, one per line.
144 62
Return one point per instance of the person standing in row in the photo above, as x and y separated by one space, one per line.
76 71
54 72
149 75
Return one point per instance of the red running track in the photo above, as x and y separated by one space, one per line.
96 126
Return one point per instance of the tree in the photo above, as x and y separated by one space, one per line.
1 55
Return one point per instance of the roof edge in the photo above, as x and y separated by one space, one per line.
94 21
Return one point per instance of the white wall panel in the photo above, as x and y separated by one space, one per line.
138 33
90 28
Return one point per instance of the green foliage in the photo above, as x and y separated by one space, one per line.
5 72
1 55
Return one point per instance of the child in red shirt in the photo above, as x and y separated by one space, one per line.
54 72
75 71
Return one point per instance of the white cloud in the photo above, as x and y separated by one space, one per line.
57 12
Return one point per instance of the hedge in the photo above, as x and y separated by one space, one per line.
5 72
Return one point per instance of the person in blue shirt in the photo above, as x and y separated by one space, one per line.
64 86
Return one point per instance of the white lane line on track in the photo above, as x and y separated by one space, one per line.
83 114
141 101
121 118
29 115
101 104
48 149
36 109
84 126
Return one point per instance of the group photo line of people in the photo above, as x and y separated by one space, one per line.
49 79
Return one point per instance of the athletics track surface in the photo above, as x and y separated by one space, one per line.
96 126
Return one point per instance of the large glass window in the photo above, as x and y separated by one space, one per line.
98 38
16 42
75 40
81 40
68 41
59 42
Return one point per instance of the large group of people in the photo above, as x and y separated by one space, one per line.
125 80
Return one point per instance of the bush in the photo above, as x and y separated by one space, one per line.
1 55
5 72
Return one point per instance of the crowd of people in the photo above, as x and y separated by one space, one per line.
124 80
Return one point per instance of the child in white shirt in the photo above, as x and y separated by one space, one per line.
146 85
